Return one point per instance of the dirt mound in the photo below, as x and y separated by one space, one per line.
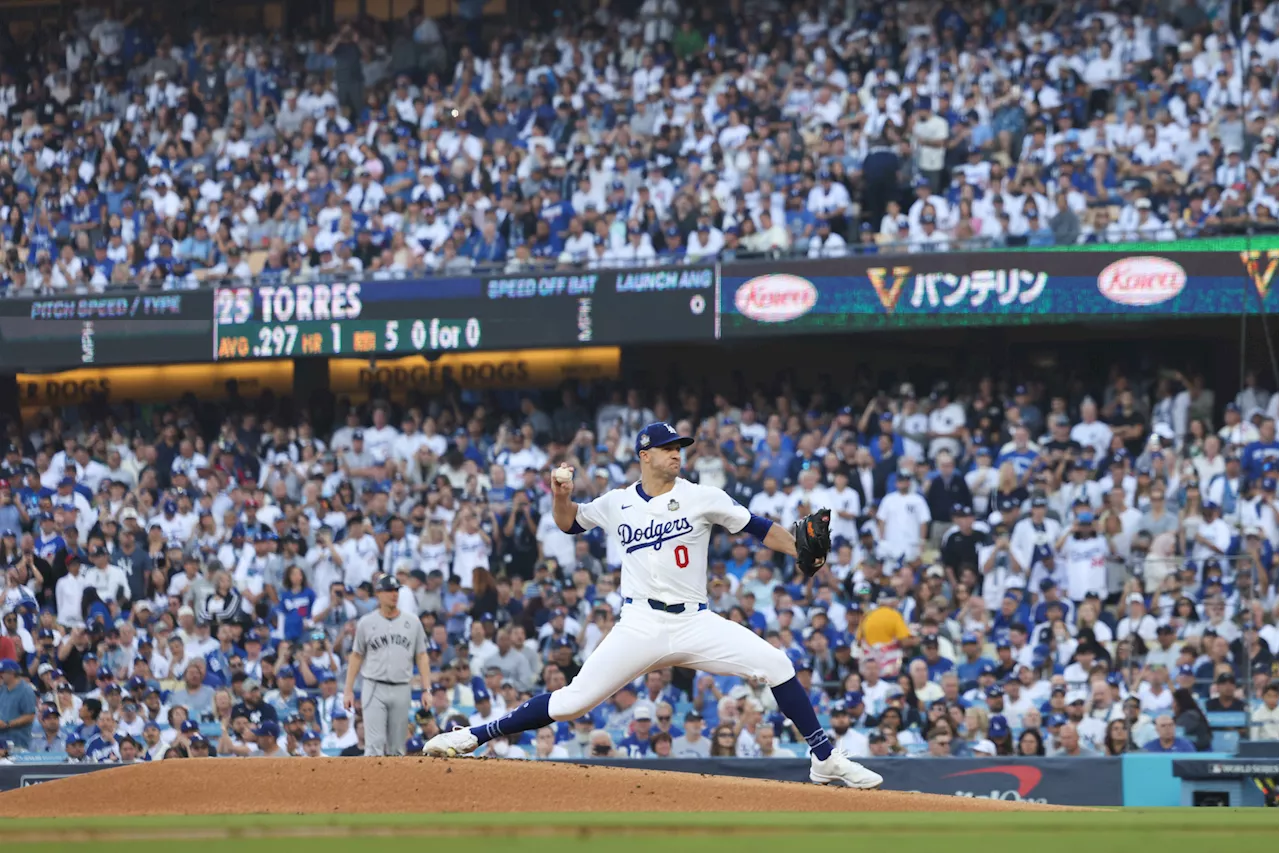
414 785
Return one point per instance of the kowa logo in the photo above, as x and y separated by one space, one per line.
1026 777
776 298
1142 280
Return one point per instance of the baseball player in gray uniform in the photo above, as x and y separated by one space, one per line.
388 643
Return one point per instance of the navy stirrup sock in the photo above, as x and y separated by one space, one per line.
793 702
533 714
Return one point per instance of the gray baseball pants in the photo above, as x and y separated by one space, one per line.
386 717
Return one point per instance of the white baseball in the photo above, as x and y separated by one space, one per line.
563 474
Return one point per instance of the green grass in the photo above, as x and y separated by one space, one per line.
1144 831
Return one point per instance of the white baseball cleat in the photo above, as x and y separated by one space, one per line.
460 741
839 769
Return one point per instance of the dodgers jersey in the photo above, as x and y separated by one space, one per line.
664 539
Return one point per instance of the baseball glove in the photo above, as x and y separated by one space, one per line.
813 541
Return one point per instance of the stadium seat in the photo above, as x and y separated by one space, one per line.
1226 719
1226 741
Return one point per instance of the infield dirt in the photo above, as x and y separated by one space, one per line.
416 785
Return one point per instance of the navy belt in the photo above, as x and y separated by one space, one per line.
663 606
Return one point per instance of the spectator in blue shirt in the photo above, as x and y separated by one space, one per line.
972 662
1256 454
1167 739
17 705
937 665
636 744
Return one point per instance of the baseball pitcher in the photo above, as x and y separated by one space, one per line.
663 524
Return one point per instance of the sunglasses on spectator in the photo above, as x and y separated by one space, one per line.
665 719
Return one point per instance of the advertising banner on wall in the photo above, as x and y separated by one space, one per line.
993 288
1061 781
543 368
23 775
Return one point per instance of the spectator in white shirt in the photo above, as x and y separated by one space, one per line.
1090 430
904 518
69 594
1139 621
825 243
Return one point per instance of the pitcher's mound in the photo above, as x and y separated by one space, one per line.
416 785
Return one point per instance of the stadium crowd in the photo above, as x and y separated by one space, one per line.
626 134
1018 568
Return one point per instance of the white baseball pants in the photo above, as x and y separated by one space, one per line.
645 639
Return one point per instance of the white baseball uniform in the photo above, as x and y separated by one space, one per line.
664 559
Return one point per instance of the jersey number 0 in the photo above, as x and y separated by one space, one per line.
682 556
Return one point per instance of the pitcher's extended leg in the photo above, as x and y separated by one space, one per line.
722 647
632 648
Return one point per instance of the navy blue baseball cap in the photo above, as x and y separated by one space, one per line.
660 435
998 726
994 690
189 726
1056 720
268 728
412 746
853 699
480 694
